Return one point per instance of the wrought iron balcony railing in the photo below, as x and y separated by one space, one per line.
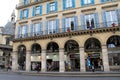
68 30
28 3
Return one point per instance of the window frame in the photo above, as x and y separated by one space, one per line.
52 6
37 10
52 26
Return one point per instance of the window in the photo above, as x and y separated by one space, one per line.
52 26
86 2
68 3
69 24
37 0
37 10
107 0
37 29
111 18
89 21
7 40
24 13
52 6
22 31
114 59
25 2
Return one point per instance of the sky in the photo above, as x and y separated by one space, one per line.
6 9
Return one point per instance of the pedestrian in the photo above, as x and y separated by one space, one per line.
93 68
38 68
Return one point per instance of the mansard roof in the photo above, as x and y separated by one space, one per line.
8 29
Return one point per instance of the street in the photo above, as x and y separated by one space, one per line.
13 76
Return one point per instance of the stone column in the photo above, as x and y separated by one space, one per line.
14 61
28 61
105 58
82 60
61 60
43 61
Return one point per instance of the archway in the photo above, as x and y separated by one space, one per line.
36 57
21 57
52 56
72 57
93 55
113 44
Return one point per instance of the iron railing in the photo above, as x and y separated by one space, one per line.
65 30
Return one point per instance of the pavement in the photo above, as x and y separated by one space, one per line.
64 74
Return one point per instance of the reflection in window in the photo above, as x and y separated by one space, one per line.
52 26
90 21
52 6
68 3
111 46
114 59
111 18
69 24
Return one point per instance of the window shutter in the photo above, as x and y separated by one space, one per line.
21 14
104 19
102 1
73 3
97 25
18 32
83 22
56 6
40 9
26 31
33 11
92 2
63 25
82 2
118 15
31 29
48 8
41 28
46 27
76 23
64 4
57 26
27 15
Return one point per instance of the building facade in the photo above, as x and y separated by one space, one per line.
67 35
6 37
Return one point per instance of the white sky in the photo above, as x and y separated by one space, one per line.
6 9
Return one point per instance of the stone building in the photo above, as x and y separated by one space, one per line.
6 37
67 35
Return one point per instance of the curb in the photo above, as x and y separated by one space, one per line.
66 74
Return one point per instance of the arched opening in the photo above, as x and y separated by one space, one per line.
36 57
113 44
72 57
93 56
21 57
52 57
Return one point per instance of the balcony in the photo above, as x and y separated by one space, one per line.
63 32
2 46
29 3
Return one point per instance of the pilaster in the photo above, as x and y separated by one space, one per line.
61 60
82 60
105 58
43 61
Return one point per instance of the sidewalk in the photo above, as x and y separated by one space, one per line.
64 74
